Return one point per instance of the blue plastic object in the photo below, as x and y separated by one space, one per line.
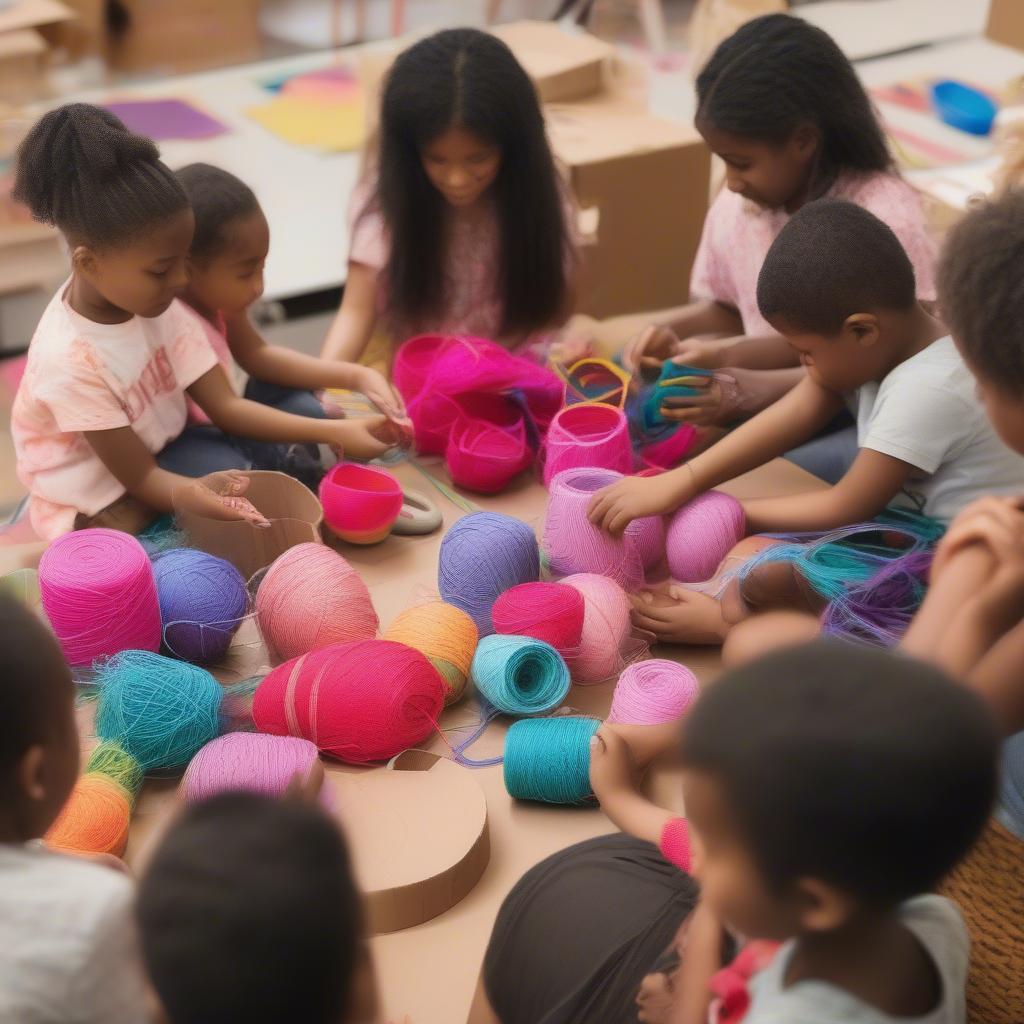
666 387
963 107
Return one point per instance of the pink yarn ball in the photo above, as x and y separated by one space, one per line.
551 612
98 592
606 627
310 598
652 692
358 702
701 534
593 434
648 535
361 503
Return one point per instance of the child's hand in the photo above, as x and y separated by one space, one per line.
998 523
656 999
612 768
362 439
649 349
376 387
305 789
722 399
570 349
614 507
225 503
700 352
690 618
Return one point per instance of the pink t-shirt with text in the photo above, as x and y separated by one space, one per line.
83 376
738 233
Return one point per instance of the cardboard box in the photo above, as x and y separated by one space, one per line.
24 57
642 186
1006 23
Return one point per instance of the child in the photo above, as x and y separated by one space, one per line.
786 112
837 284
463 227
66 937
229 249
248 912
99 417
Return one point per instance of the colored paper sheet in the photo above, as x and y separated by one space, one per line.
332 127
166 119
336 74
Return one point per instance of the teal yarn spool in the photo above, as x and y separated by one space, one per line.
548 760
160 711
520 675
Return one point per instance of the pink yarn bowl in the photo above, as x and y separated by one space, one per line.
652 692
590 434
701 534
361 503
487 446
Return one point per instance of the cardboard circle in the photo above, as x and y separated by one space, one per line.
418 835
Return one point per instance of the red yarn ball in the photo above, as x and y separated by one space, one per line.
551 612
362 701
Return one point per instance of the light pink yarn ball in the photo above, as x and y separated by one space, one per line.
652 692
701 534
606 627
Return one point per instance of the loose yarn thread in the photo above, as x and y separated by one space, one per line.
548 759
98 592
592 435
653 692
701 534
519 675
551 612
606 628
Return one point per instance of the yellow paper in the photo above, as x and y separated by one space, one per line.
333 127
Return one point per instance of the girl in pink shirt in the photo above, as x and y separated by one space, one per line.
99 419
464 229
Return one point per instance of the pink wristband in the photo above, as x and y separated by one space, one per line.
675 843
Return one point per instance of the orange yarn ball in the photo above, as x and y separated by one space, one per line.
94 820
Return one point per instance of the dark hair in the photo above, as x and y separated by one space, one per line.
35 678
981 289
248 912
777 72
856 766
218 199
469 79
832 259
81 170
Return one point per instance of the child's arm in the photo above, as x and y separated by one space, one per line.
997 679
793 419
352 328
289 369
700 961
658 342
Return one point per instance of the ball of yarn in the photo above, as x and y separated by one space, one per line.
361 503
652 692
519 675
310 598
606 627
483 555
548 759
202 601
446 635
359 702
95 818
248 761
701 534
159 710
592 434
648 536
98 592
550 612
113 761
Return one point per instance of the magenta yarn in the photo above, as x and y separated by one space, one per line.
606 628
361 503
485 456
592 434
250 762
551 612
99 594
652 692
701 534
669 452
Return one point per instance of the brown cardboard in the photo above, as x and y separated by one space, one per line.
23 59
713 21
293 510
643 184
563 66
1006 23
33 14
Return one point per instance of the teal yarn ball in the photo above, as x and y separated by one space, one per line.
159 710
548 760
520 675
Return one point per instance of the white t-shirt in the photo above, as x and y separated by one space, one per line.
939 928
67 942
83 376
926 412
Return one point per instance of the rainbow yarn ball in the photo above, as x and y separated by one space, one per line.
98 592
159 710
203 599
652 692
548 759
358 702
446 635
701 534
519 675
550 612
247 761
312 598
483 555
606 627
95 818
361 503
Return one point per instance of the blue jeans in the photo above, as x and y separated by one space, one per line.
827 456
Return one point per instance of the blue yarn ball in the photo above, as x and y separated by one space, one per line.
159 710
483 555
520 675
548 760
202 601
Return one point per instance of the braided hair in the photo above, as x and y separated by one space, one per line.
83 171
777 72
